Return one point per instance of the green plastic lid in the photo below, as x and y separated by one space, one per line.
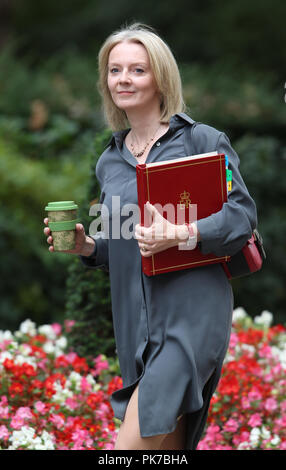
61 206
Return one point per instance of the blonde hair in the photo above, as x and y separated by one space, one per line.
163 65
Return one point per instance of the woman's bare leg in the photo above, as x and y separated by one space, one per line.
176 440
129 437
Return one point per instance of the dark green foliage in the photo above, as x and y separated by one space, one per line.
88 292
263 166
248 35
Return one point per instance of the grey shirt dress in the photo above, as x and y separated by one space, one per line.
171 330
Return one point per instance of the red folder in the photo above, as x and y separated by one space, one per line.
182 190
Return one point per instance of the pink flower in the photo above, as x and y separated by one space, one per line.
230 426
17 422
4 400
4 412
111 447
71 403
239 438
71 357
40 407
283 406
254 395
43 364
265 351
57 328
255 420
68 325
85 385
279 425
233 340
245 403
79 437
57 420
24 412
100 364
4 433
270 404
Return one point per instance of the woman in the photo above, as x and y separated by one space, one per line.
171 330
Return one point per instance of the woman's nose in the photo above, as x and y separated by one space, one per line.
124 76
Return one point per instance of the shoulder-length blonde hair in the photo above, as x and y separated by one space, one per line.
164 67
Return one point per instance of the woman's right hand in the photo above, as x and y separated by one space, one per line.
84 245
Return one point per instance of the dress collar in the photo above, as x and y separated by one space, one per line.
177 121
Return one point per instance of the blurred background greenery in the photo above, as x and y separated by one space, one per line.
232 58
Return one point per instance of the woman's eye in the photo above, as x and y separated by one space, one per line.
114 70
139 70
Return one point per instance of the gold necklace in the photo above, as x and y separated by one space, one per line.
139 154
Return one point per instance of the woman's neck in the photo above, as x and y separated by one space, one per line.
143 125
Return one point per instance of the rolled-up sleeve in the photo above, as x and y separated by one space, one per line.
99 257
227 231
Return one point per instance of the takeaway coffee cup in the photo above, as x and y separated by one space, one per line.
62 221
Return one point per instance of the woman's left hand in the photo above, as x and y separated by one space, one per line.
160 235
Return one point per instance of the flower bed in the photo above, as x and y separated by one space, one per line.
249 405
52 399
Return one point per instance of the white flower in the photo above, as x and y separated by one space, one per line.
244 446
90 379
25 438
249 348
19 360
61 342
238 314
254 437
280 354
74 380
6 336
25 349
275 441
265 433
48 331
5 355
28 328
61 393
49 347
265 319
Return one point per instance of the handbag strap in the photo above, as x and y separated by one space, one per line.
189 143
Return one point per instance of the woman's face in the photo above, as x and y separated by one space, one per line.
130 79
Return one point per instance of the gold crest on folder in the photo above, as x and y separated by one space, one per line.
185 201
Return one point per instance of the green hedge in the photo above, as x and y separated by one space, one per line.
263 166
88 290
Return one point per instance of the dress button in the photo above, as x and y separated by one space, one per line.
158 144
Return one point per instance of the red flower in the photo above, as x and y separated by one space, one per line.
9 365
80 365
16 389
229 385
29 370
61 361
94 398
37 352
114 384
251 336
